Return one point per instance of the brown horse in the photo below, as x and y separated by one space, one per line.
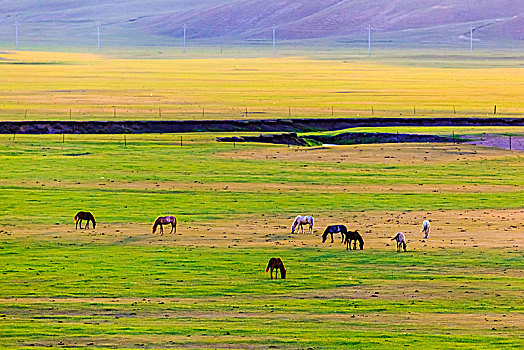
276 263
354 236
84 215
164 220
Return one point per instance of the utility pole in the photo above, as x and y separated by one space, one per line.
184 38
471 40
98 36
274 42
369 40
16 34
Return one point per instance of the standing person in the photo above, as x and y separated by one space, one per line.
425 228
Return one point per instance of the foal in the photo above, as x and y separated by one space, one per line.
84 215
401 241
276 263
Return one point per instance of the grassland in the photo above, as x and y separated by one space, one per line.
58 86
119 286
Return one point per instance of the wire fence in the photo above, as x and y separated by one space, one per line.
114 113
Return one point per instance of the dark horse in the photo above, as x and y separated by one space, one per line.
334 229
84 215
276 263
354 236
164 220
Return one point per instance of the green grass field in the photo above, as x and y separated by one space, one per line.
119 286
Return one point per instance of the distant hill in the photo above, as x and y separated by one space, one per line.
224 20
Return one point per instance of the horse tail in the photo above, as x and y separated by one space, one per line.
76 217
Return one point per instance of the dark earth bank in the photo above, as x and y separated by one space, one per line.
249 125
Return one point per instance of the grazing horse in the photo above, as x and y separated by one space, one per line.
354 236
334 229
276 263
401 241
303 220
164 220
84 215
425 228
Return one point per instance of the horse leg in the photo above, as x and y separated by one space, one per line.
332 237
76 225
161 229
271 273
87 225
172 227
355 245
80 223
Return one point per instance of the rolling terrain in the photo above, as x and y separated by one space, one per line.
227 21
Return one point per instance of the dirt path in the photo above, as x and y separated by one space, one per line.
516 143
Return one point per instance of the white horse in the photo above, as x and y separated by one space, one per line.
401 241
425 228
303 220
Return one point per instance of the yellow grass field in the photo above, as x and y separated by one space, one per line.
63 86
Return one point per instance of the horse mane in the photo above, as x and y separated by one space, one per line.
294 223
92 218
157 221
359 239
